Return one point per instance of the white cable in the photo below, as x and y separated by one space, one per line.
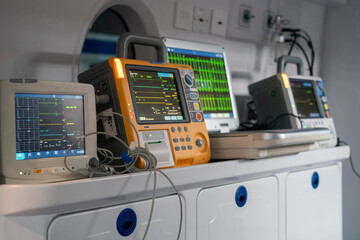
178 194
84 136
150 164
153 166
103 152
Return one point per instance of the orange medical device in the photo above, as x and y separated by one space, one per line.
161 100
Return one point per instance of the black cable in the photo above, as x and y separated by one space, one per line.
306 57
304 53
273 123
350 158
295 34
292 45
310 45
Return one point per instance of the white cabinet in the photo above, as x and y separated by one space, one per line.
239 211
279 203
126 221
313 204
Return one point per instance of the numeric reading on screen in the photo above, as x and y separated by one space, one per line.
211 79
156 96
47 125
305 99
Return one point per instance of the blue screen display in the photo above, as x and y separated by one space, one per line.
47 125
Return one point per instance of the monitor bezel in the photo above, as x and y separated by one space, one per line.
10 167
213 125
180 90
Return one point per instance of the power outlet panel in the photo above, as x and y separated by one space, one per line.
269 21
245 16
183 15
201 20
246 20
219 22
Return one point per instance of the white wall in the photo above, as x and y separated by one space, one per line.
340 70
43 39
255 60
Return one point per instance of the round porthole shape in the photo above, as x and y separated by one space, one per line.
126 222
241 196
315 180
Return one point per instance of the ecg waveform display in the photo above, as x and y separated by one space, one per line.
305 99
156 96
210 76
47 125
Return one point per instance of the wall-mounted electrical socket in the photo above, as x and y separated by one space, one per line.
269 21
201 20
245 20
183 15
219 22
246 15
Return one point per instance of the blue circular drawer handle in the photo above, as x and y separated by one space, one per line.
126 222
241 196
315 180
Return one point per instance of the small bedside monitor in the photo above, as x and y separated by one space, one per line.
301 96
39 121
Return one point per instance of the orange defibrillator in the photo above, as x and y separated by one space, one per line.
161 100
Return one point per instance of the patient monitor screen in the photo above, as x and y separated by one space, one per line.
305 98
210 75
156 96
47 125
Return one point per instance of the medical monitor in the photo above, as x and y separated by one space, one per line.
294 102
39 121
213 79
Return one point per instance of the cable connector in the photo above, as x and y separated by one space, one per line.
132 146
125 157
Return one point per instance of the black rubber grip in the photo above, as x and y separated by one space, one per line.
126 39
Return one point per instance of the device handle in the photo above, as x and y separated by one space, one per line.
126 39
283 60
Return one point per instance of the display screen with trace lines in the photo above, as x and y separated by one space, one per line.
305 98
210 75
156 96
47 125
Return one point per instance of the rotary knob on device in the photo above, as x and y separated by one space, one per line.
189 80
199 142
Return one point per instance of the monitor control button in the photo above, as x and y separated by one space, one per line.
198 116
177 148
194 96
183 147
